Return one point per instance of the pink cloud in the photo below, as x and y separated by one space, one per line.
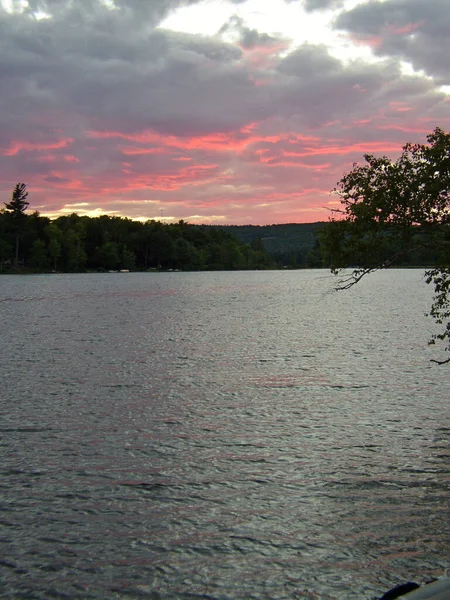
405 30
236 141
247 175
192 175
377 41
373 41
23 146
263 56
136 151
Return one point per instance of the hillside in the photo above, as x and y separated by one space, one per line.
289 244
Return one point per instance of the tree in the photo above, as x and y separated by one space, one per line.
39 256
397 212
108 254
73 247
128 258
5 254
18 204
16 212
187 256
160 248
55 237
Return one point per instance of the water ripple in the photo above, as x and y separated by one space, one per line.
223 436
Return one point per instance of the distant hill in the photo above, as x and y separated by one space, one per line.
289 244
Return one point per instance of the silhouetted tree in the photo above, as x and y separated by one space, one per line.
15 210
54 248
109 255
76 243
39 256
395 210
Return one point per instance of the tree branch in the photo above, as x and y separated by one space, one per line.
440 362
356 275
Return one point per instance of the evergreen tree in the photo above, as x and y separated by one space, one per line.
16 213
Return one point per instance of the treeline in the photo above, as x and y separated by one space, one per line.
346 244
30 242
292 245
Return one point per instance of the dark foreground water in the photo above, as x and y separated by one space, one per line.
220 435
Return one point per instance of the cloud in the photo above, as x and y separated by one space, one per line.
312 5
410 30
153 11
102 109
247 37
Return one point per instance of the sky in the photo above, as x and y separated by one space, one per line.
212 111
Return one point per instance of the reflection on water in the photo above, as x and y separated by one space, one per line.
220 435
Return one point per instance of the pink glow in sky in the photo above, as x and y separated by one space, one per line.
216 112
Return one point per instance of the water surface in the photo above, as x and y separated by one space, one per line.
220 435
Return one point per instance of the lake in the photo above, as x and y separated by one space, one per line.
220 435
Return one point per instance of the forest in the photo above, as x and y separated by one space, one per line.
34 243
73 243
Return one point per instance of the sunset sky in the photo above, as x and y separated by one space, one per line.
212 111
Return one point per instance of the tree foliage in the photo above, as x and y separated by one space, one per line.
77 243
397 213
292 245
18 204
15 214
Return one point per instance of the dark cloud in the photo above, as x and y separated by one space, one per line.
153 11
94 69
246 37
251 38
312 5
414 31
310 61
317 89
